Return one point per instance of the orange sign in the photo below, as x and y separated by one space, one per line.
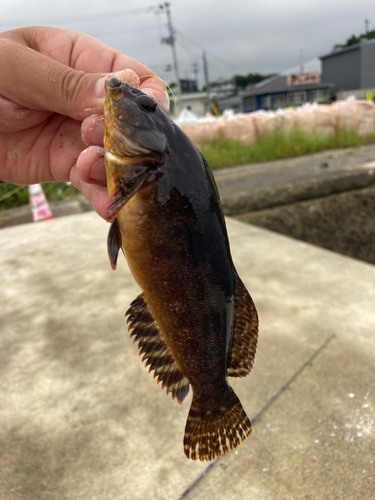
303 78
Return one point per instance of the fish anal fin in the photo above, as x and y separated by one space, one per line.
114 242
155 353
245 333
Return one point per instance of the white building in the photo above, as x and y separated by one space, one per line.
196 103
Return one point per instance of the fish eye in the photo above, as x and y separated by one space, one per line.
146 102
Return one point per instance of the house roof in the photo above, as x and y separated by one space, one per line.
357 46
278 84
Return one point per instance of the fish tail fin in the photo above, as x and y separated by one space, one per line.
209 434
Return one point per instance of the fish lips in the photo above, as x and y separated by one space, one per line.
133 122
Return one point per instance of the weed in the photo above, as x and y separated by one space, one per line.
226 153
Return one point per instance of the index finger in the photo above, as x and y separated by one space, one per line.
49 84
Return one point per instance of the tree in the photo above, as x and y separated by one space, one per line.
251 79
354 40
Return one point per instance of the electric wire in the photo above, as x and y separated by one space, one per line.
83 18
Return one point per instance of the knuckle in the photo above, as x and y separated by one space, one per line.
69 86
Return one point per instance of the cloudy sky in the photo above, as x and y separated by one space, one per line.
240 37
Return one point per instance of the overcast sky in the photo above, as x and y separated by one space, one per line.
240 37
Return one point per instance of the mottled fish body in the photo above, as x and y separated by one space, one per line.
194 321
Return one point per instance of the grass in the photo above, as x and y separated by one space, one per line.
226 153
20 195
222 154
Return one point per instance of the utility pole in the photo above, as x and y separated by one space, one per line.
170 41
205 71
366 25
195 73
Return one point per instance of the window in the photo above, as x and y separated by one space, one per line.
318 95
297 98
266 102
248 104
278 101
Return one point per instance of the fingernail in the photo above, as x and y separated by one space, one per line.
98 171
96 133
99 87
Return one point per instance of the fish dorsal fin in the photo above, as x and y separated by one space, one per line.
245 333
156 353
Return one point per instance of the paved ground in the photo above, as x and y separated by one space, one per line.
80 418
75 204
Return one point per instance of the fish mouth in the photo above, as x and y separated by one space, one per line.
132 124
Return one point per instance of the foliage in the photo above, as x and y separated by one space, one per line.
20 196
225 153
354 40
251 79
221 154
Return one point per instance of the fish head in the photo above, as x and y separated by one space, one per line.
132 125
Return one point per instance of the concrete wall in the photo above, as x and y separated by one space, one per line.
358 93
343 223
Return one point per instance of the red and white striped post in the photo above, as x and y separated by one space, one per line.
40 208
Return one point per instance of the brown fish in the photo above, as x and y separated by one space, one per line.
195 322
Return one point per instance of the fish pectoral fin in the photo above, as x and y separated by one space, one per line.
245 333
125 187
156 353
114 242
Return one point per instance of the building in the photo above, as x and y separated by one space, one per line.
293 90
276 92
233 102
223 88
350 68
188 86
196 103
368 94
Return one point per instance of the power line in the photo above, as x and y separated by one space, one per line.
79 18
212 55
120 32
186 48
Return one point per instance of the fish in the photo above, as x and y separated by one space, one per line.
194 323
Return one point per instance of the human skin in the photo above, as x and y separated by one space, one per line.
51 105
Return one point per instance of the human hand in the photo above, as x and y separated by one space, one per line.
51 105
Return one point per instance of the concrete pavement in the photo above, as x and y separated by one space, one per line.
80 417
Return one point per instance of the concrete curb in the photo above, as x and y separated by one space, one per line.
315 186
